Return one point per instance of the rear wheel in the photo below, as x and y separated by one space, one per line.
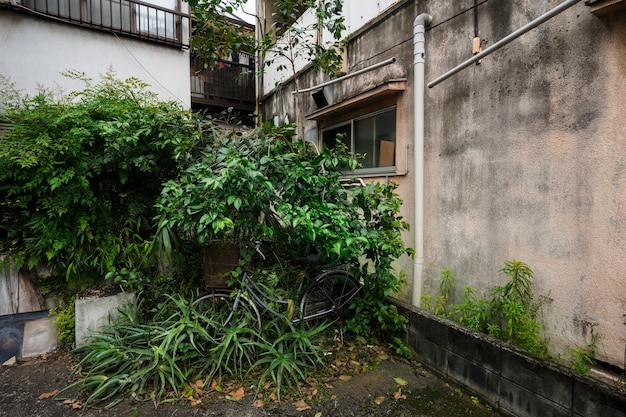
329 294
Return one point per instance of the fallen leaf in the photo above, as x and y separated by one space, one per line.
75 404
398 395
236 395
345 377
302 406
379 400
216 385
318 414
383 357
400 381
48 394
258 403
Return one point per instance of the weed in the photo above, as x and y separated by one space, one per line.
64 319
510 314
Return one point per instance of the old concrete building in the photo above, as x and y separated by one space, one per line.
518 155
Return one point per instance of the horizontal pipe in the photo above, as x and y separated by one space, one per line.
519 32
336 80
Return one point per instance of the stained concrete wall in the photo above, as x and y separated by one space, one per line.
524 154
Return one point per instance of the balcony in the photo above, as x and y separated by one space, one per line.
228 83
137 19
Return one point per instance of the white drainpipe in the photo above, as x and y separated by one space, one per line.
419 52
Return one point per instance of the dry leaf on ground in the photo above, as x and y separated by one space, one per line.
301 406
236 395
48 394
398 395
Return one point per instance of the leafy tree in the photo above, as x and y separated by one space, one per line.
284 45
79 175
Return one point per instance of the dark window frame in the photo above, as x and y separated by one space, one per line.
372 162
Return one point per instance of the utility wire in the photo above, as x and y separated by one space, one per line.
475 6
457 15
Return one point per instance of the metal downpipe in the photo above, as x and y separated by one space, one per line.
419 54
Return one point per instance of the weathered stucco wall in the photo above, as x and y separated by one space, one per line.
35 51
525 157
525 154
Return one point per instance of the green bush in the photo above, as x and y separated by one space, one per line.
64 319
79 176
263 184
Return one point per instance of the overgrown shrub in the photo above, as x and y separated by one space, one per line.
263 184
79 175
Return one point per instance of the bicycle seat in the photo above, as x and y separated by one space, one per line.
309 260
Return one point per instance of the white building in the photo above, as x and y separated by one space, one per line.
149 40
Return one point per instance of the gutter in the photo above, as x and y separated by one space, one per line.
419 53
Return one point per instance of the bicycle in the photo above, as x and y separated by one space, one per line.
327 294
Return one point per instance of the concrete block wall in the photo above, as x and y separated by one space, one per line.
513 382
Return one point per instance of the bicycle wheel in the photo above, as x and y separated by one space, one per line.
330 293
220 306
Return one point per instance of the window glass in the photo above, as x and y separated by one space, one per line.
157 22
372 136
364 141
329 136
385 139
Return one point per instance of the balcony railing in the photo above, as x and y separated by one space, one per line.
126 17
229 83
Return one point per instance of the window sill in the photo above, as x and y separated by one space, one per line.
372 172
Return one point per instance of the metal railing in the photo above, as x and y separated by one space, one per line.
127 17
228 83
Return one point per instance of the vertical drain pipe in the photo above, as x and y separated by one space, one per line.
419 53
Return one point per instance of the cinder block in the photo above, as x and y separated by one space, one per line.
597 399
431 354
475 347
430 328
477 378
521 402
537 376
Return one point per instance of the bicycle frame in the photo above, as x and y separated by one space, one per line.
252 289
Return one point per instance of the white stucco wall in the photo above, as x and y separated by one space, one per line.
35 50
